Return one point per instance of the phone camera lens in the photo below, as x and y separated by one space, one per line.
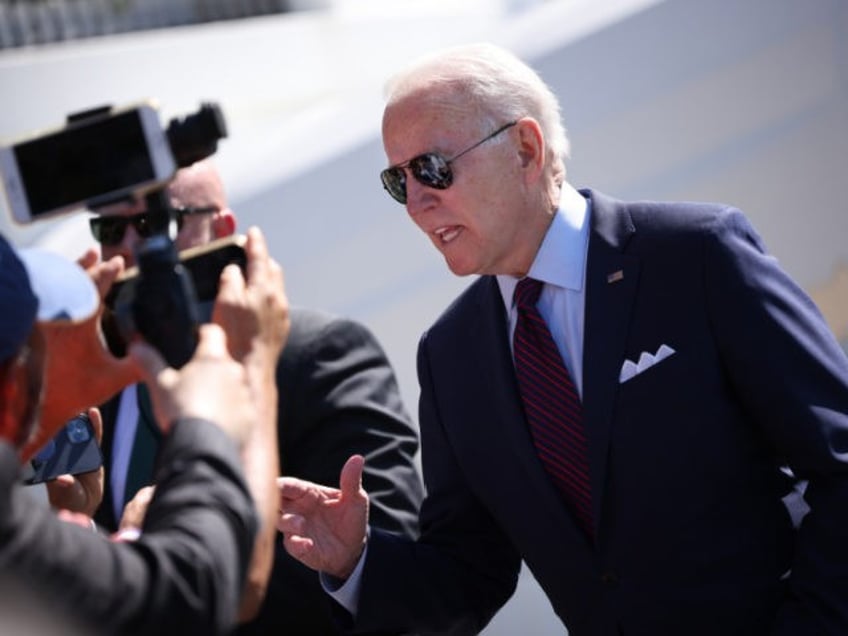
77 431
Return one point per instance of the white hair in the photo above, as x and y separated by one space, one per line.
495 81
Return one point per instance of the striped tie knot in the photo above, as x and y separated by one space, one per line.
527 292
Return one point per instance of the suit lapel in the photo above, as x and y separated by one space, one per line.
611 282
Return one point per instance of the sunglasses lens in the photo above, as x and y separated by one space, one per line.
108 230
429 169
432 170
394 181
147 224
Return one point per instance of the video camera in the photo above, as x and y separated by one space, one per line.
105 156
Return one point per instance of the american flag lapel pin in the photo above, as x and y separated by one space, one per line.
616 276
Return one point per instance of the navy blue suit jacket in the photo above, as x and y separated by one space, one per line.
692 535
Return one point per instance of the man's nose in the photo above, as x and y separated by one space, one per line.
418 196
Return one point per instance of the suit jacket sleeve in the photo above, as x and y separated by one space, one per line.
338 395
185 572
461 570
792 376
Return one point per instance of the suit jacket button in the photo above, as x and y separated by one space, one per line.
609 578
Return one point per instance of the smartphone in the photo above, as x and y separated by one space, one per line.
204 264
97 157
73 450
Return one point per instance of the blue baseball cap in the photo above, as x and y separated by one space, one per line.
37 285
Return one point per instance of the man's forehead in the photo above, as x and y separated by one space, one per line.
124 208
137 206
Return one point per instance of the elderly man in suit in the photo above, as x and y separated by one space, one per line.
616 399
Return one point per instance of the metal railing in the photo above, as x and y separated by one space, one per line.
34 22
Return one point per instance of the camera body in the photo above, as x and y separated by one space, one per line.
109 155
168 295
162 305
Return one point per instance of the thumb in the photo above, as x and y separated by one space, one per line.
350 481
231 287
96 423
148 359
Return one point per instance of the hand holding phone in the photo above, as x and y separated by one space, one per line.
72 451
203 264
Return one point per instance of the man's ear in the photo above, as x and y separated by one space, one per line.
531 148
224 223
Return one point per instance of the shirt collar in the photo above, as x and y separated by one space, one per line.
561 258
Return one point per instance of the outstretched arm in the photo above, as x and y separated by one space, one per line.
254 313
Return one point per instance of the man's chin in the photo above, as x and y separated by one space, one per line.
460 267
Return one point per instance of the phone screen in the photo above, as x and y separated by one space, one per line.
83 161
73 450
88 162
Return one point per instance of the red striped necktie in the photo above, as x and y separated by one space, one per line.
551 404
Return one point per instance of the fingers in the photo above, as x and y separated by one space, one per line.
298 546
350 481
96 423
147 359
231 286
291 487
260 266
136 509
212 341
291 524
105 273
257 254
89 258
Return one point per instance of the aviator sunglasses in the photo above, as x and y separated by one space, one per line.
109 230
429 169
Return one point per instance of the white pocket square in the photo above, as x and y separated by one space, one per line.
631 369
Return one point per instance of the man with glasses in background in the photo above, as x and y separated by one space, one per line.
337 395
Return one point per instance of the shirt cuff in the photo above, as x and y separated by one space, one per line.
346 592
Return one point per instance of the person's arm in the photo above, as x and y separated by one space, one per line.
792 376
338 396
187 570
254 312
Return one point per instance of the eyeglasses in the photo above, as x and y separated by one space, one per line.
109 230
430 169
